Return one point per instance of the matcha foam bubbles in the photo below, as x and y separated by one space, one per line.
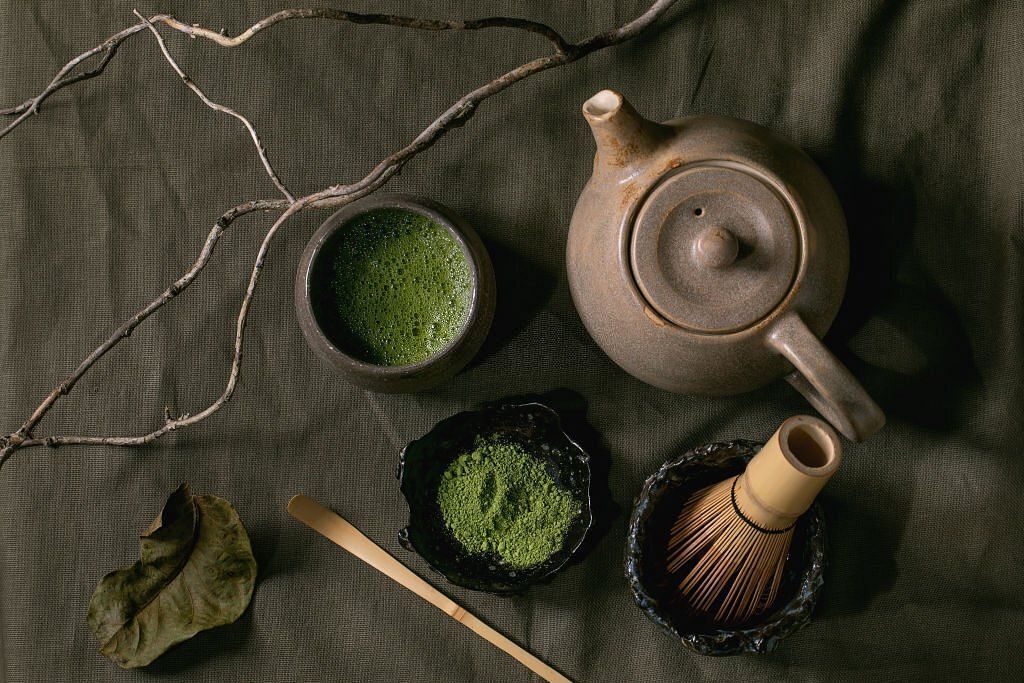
401 287
499 499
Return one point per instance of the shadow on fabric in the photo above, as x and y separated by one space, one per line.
930 369
203 647
925 373
523 288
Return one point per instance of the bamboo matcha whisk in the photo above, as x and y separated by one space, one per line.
731 540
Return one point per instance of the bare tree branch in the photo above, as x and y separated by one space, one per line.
127 327
108 47
260 149
336 195
108 54
561 45
64 76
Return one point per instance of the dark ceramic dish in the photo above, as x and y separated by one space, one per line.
424 461
656 509
311 282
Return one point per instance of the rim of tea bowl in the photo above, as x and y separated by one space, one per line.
432 370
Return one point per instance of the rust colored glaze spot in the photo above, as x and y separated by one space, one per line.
630 193
672 165
622 152
654 317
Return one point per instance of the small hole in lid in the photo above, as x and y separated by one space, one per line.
698 211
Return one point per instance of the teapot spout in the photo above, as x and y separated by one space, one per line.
624 137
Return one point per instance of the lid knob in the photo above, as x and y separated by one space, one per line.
716 247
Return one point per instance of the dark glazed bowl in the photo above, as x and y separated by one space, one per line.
657 506
396 378
424 461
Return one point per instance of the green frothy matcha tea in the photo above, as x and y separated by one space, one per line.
401 285
499 499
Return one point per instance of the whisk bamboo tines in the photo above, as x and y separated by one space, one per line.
731 539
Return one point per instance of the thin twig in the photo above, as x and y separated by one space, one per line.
108 54
260 149
110 45
62 79
128 326
561 45
337 195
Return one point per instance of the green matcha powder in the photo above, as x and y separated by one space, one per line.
499 499
402 287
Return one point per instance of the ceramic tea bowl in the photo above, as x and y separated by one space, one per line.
312 283
422 466
655 592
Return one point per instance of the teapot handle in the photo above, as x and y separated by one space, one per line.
824 380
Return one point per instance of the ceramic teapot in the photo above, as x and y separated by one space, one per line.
708 255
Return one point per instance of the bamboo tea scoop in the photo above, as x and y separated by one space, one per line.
334 528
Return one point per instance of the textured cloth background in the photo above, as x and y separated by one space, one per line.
912 109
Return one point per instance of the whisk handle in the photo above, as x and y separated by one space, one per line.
783 479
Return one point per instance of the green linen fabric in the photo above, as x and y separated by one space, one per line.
913 110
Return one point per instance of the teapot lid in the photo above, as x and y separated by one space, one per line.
715 248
